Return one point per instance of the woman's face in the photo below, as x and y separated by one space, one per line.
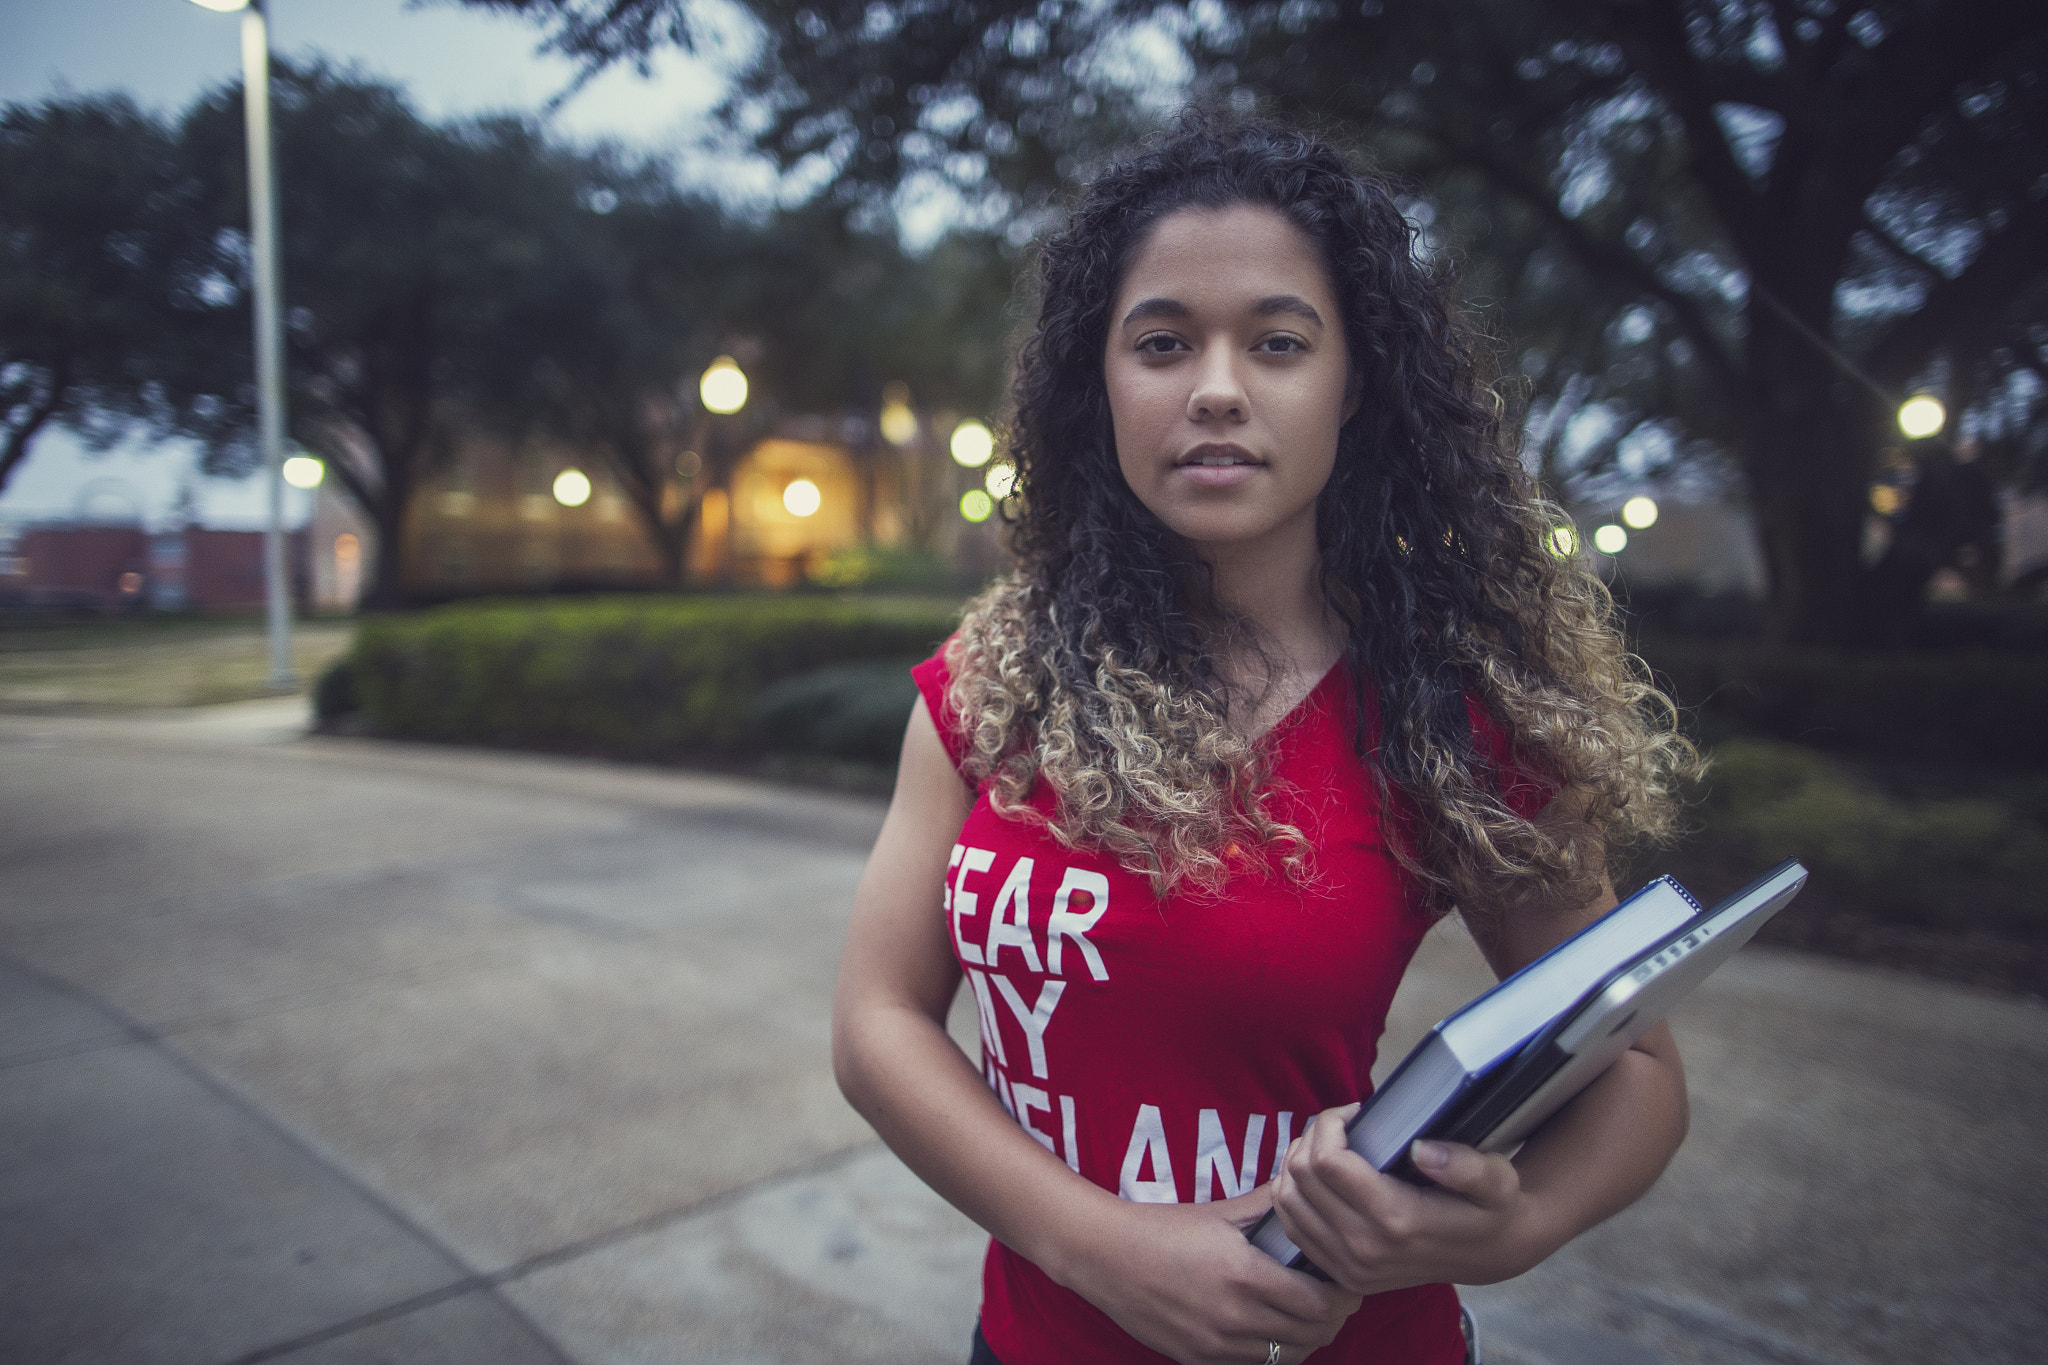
1228 376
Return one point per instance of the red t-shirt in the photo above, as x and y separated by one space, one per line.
1169 1050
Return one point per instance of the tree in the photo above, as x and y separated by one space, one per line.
408 252
1736 225
88 245
599 341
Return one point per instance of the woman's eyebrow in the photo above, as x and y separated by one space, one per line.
1287 303
1147 309
1156 308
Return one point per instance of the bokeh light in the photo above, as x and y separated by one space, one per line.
572 488
802 498
1563 541
976 505
1610 539
723 387
303 471
1000 481
898 422
1639 513
973 444
1922 415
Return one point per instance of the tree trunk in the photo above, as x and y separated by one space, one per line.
1808 459
386 589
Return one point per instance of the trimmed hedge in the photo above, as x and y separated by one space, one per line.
1981 706
638 677
1895 856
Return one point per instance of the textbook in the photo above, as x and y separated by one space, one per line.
1493 1070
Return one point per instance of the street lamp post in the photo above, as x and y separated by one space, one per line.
722 389
269 335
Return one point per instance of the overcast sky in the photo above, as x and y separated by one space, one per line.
452 60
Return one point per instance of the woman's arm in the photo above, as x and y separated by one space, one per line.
1182 1279
1491 1219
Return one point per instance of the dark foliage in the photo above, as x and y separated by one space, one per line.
1676 209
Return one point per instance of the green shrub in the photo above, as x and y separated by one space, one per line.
1981 706
638 677
1970 862
888 568
334 695
853 711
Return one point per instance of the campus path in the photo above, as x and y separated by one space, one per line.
325 1050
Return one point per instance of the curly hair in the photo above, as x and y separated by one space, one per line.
1088 666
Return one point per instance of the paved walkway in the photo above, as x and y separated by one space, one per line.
334 1051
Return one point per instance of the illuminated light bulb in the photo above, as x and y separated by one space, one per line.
972 445
1610 539
1001 481
898 424
1639 513
303 471
976 505
802 498
572 488
723 387
1922 415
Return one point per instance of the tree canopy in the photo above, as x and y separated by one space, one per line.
89 253
1714 230
440 279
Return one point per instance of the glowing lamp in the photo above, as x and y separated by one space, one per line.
1922 415
723 387
802 498
572 488
303 471
972 445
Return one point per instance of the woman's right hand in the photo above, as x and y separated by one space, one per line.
1182 1279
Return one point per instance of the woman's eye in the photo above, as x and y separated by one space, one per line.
1159 343
1282 344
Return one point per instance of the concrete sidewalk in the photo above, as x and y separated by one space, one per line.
332 1050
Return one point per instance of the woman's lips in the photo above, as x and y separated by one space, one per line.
1217 466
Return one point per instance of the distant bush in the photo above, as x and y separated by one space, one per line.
643 677
851 711
1973 862
1978 706
886 568
334 695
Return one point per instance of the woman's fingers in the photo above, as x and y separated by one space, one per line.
1488 1181
1373 1232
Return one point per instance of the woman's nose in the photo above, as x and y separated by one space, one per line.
1218 394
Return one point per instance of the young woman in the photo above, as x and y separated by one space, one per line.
1284 671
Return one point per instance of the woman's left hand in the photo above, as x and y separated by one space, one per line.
1371 1233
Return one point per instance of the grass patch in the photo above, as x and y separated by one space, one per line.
143 663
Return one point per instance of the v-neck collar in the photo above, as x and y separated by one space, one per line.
1300 709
